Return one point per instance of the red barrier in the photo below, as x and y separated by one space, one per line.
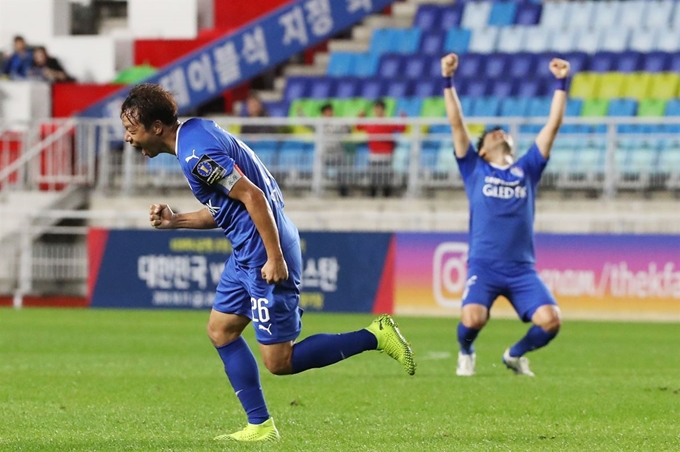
70 98
10 150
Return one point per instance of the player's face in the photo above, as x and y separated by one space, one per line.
496 141
143 140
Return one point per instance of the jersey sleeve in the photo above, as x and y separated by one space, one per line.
533 163
467 164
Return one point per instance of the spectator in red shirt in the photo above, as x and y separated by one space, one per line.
381 151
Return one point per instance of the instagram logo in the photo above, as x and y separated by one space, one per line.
449 272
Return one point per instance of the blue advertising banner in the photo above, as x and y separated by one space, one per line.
180 269
241 55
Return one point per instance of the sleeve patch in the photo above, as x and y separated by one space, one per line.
208 170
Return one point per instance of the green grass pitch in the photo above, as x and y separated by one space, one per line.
100 380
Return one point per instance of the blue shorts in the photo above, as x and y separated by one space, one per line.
518 282
273 309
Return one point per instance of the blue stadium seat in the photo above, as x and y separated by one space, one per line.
502 13
383 40
466 104
496 65
675 62
673 108
656 62
532 87
485 107
574 107
278 109
416 66
391 65
542 68
431 43
321 88
365 65
522 64
476 15
578 61
528 14
428 17
504 87
514 107
409 105
539 107
629 61
347 87
372 88
399 88
435 70
457 40
427 88
461 86
471 65
451 17
341 63
604 62
511 39
296 88
622 107
484 40
478 88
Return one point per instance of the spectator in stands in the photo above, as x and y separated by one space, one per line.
381 151
47 68
256 109
19 63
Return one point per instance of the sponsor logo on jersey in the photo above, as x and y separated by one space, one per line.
517 171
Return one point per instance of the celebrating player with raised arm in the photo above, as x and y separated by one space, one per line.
261 279
501 192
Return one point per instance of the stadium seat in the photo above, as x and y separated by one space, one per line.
341 63
604 62
416 67
308 107
408 40
428 17
589 41
514 107
522 64
615 39
611 85
485 107
555 16
595 108
432 43
658 14
636 86
675 63
350 108
426 88
321 88
391 65
296 88
669 40
675 19
484 40
451 17
476 15
580 15
643 40
672 108
433 107
578 61
462 86
347 87
629 61
542 68
656 62
410 106
478 88
470 65
278 109
538 39
607 14
531 87
585 85
365 65
528 14
632 14
372 88
511 39
622 107
539 107
565 41
652 107
503 87
496 65
383 40
574 107
502 14
399 88
457 40
664 85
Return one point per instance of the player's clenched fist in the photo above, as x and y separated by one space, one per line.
449 65
160 216
559 68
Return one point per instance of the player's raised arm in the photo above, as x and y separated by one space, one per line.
546 137
161 216
461 139
275 269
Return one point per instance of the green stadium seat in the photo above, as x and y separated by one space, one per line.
651 107
433 107
611 86
595 108
310 108
350 108
585 85
664 85
636 85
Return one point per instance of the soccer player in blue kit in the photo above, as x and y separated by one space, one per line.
501 192
261 279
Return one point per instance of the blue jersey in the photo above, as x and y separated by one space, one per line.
502 205
210 157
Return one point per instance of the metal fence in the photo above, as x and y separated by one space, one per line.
317 156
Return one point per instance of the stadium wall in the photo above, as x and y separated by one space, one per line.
592 276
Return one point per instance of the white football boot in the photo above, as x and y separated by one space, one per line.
518 365
466 365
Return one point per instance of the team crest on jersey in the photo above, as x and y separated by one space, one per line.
208 170
517 171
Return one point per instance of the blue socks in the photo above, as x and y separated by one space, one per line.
535 338
466 337
324 349
241 369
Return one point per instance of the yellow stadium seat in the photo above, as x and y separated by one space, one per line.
664 85
611 86
636 85
584 85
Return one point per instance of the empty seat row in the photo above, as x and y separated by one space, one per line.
438 17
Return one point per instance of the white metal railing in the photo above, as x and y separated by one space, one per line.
601 158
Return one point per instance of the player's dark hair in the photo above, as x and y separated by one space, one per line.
149 102
19 38
379 103
325 107
480 142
